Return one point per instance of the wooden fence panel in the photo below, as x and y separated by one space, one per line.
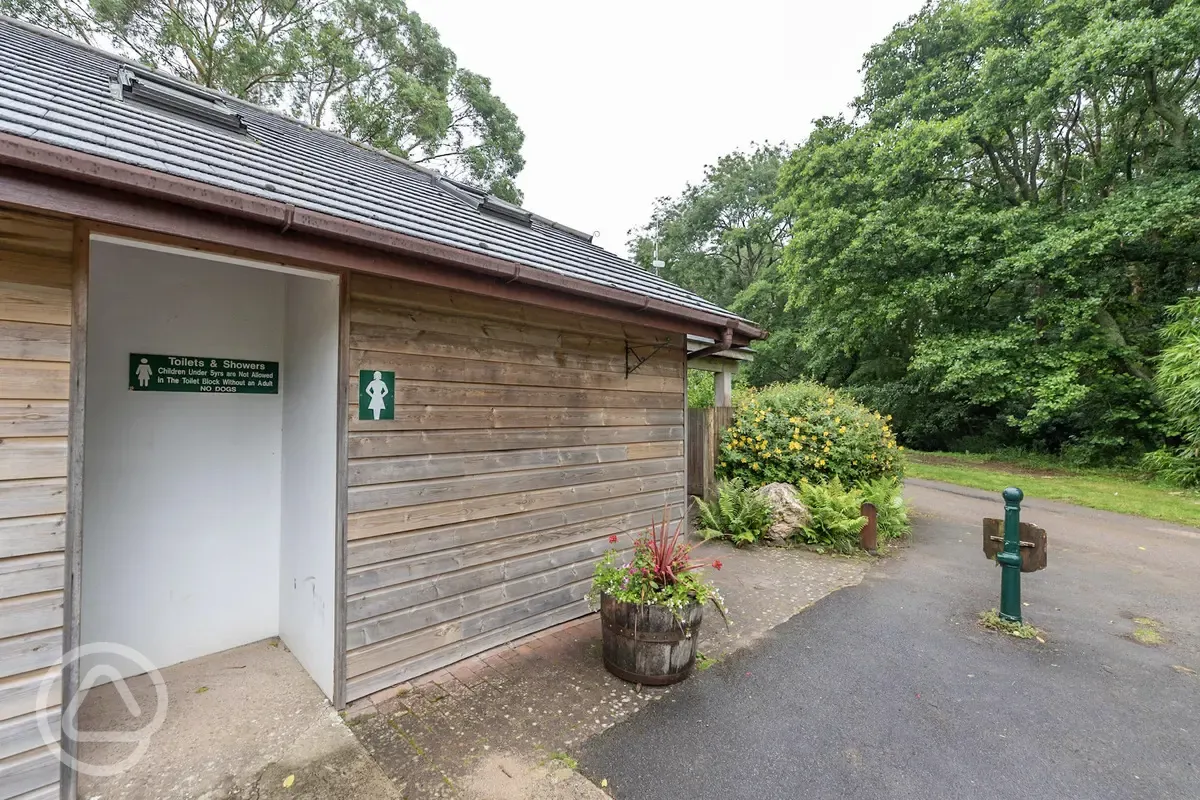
704 429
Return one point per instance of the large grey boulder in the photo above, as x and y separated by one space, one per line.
788 513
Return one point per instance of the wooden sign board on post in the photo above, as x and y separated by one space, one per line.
1033 543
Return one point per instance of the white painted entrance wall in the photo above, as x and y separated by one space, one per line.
210 520
309 376
181 491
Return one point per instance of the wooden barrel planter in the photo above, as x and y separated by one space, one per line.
649 644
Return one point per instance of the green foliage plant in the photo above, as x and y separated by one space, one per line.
738 514
1178 381
659 570
701 392
985 248
892 515
836 513
803 432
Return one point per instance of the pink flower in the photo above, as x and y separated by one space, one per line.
717 565
612 539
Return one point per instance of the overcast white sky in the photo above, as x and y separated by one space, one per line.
624 101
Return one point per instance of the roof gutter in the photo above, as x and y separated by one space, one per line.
50 159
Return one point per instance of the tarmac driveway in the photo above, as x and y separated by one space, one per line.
890 689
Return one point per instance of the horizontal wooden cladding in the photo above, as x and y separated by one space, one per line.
383 445
25 302
29 652
389 560
421 493
375 656
50 792
427 393
21 418
462 370
389 339
36 268
31 574
396 520
29 535
31 612
19 693
469 417
33 458
454 465
541 578
480 307
33 498
33 380
519 444
36 235
419 663
28 773
445 574
26 269
424 321
22 734
34 341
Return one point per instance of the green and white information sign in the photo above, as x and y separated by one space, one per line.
151 373
376 394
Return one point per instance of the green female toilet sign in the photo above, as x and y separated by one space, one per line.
376 394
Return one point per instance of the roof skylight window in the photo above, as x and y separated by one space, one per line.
195 105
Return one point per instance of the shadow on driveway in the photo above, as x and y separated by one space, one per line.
890 689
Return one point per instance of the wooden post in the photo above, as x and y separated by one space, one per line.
341 554
722 418
73 579
723 389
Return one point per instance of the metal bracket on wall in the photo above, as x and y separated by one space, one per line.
638 358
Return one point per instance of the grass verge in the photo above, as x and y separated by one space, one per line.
1106 490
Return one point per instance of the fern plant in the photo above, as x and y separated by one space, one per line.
738 514
892 519
836 513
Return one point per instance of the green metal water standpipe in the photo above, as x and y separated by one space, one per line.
1010 559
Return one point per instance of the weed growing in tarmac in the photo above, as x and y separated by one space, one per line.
565 760
1147 632
1021 630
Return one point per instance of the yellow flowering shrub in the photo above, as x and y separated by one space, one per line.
802 431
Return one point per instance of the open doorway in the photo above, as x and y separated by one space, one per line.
210 503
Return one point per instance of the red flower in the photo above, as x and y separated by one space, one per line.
717 565
612 539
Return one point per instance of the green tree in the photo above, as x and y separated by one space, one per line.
722 235
723 238
987 248
374 71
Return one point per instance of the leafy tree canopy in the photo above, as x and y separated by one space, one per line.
721 235
374 71
723 238
988 247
